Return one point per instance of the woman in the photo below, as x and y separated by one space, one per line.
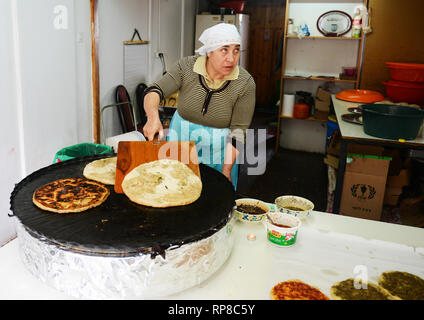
216 100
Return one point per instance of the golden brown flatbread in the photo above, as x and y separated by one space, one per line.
404 285
102 170
345 290
162 183
296 290
70 195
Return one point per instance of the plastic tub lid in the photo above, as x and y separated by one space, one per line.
361 96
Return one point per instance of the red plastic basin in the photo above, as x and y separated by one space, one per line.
411 72
402 91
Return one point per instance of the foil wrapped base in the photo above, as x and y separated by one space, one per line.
135 277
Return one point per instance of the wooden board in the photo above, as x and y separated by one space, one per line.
396 37
133 153
265 30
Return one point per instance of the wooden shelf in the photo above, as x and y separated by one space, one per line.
317 78
319 116
129 42
322 37
303 63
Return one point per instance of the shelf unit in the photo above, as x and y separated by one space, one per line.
314 42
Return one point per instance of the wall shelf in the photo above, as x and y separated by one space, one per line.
318 78
318 116
316 61
321 38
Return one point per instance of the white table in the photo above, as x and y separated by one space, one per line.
329 248
354 133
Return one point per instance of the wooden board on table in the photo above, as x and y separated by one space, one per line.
133 153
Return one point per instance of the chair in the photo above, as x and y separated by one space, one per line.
126 112
139 97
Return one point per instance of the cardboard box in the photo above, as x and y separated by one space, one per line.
332 161
401 180
391 196
364 186
322 100
396 164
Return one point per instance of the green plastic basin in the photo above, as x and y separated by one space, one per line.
389 121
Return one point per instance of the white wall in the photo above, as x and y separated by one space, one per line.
10 149
45 85
45 78
117 21
168 25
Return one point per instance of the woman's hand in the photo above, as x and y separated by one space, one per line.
153 124
230 157
226 171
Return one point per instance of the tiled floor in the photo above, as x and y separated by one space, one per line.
292 172
287 173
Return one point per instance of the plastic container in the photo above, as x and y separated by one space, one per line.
389 121
356 24
412 72
238 6
402 91
282 230
301 111
81 150
349 71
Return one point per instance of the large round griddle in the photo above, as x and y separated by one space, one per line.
120 227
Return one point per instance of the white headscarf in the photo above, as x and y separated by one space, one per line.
217 36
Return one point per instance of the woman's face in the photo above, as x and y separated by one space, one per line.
222 61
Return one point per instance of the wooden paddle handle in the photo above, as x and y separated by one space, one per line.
156 139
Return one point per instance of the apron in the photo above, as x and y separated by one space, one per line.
210 143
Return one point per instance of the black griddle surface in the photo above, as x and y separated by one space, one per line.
119 226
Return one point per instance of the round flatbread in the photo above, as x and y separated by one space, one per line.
404 285
102 170
345 290
70 195
162 183
296 290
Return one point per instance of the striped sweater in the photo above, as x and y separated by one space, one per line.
231 106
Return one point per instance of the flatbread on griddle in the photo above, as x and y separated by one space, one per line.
102 170
70 195
345 290
162 183
404 285
296 290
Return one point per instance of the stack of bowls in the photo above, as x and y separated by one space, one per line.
406 83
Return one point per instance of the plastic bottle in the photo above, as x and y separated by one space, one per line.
357 24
